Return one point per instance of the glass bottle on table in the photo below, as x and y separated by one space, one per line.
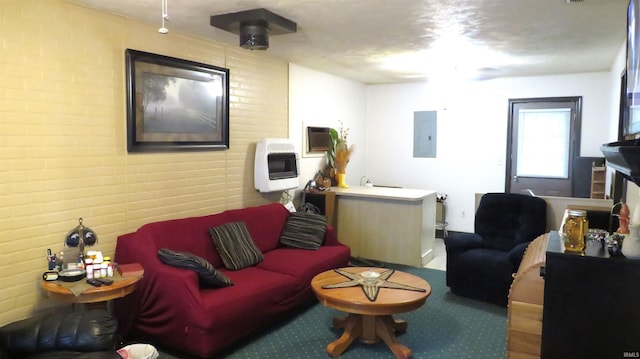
574 229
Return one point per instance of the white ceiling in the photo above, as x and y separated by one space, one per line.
388 41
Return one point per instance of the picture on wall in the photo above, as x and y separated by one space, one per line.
175 104
632 125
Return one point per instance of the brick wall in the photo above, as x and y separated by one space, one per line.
63 137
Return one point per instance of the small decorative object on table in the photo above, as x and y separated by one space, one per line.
370 276
614 244
598 235
574 229
130 270
623 217
72 275
631 244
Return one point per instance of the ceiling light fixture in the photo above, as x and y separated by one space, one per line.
254 26
165 17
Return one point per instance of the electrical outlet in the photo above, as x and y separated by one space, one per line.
289 205
462 214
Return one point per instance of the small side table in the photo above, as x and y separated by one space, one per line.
93 297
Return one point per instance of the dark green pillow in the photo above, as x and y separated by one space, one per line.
304 230
207 273
235 245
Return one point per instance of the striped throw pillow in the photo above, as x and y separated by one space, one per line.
304 230
235 245
207 273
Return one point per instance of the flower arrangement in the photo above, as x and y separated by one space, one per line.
339 153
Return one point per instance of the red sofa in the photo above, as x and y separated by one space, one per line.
170 308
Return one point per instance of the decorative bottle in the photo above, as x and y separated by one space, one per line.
574 229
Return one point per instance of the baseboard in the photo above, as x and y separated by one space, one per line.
441 236
427 257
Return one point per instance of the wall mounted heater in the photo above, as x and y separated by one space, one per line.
276 165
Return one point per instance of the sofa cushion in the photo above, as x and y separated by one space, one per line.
256 292
208 275
235 245
304 230
303 264
264 223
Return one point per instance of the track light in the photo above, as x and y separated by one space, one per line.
254 26
165 17
254 35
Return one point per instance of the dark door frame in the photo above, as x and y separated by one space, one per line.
576 138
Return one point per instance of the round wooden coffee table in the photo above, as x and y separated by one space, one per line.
94 297
370 320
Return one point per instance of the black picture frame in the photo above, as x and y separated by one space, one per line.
175 104
632 99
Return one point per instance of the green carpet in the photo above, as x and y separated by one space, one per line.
446 327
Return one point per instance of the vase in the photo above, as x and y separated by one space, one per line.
631 243
574 229
342 178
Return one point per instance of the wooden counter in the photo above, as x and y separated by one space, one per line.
394 225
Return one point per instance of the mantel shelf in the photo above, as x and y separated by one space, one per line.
624 157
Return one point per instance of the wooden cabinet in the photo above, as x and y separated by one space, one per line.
585 306
524 325
591 304
395 225
598 181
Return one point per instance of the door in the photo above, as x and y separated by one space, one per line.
543 142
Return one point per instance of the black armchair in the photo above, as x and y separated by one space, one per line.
480 265
63 335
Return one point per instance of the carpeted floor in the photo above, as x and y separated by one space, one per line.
446 327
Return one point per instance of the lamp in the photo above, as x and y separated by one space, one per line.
79 237
254 35
254 26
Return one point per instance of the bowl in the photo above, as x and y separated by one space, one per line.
370 276
71 275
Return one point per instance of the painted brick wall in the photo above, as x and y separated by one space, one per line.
63 137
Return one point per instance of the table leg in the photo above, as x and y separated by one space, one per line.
385 328
340 322
96 305
399 326
352 329
369 329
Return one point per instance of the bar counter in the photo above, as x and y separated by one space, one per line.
394 225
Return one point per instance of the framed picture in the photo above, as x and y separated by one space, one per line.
632 119
175 105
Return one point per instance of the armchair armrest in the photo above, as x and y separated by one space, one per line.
156 293
154 302
516 253
81 331
460 242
